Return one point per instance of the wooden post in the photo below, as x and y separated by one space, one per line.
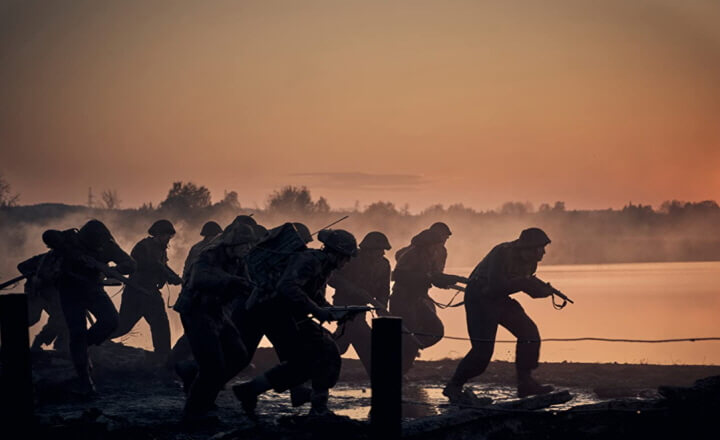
16 396
386 377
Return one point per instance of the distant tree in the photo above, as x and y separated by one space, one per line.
184 196
704 207
638 211
7 198
434 210
147 206
230 200
110 199
460 209
381 209
516 208
672 206
296 199
557 207
322 206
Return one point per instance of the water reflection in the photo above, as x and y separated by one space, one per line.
423 400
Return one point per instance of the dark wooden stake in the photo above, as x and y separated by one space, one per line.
386 377
16 396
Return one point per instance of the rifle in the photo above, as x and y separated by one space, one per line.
554 293
9 283
345 313
111 272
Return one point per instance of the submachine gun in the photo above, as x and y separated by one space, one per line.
448 281
342 314
113 274
559 294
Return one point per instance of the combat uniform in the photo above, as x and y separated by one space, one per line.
181 350
43 296
365 279
418 267
80 286
488 304
152 273
216 281
307 350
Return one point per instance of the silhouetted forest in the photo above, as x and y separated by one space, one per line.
677 231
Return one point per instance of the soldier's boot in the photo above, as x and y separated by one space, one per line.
196 417
319 404
247 392
527 386
464 396
84 387
187 371
300 395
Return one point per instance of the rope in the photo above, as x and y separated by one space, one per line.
587 338
450 303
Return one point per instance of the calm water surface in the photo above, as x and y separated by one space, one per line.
636 301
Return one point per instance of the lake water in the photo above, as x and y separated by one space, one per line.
632 301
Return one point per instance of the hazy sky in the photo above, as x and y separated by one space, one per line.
479 102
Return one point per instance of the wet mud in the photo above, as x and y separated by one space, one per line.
139 400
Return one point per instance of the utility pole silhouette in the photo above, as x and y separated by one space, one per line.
91 198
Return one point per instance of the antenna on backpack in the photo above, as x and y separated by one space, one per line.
331 224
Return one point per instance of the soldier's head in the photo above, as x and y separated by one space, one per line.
237 239
440 231
210 229
303 231
531 244
339 244
95 235
375 243
162 231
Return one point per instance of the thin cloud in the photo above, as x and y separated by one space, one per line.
367 181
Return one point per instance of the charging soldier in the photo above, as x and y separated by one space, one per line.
420 266
508 268
306 348
42 296
364 280
217 280
80 286
209 231
152 273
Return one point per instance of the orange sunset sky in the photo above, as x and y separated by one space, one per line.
479 102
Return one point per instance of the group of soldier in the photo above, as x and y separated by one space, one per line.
244 282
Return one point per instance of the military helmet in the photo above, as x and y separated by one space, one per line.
339 240
161 227
375 240
440 228
245 220
236 234
210 229
303 231
532 237
94 233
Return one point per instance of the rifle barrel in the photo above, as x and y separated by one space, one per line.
12 281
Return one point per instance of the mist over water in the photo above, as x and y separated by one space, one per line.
616 300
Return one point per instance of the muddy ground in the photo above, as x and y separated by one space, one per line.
138 401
